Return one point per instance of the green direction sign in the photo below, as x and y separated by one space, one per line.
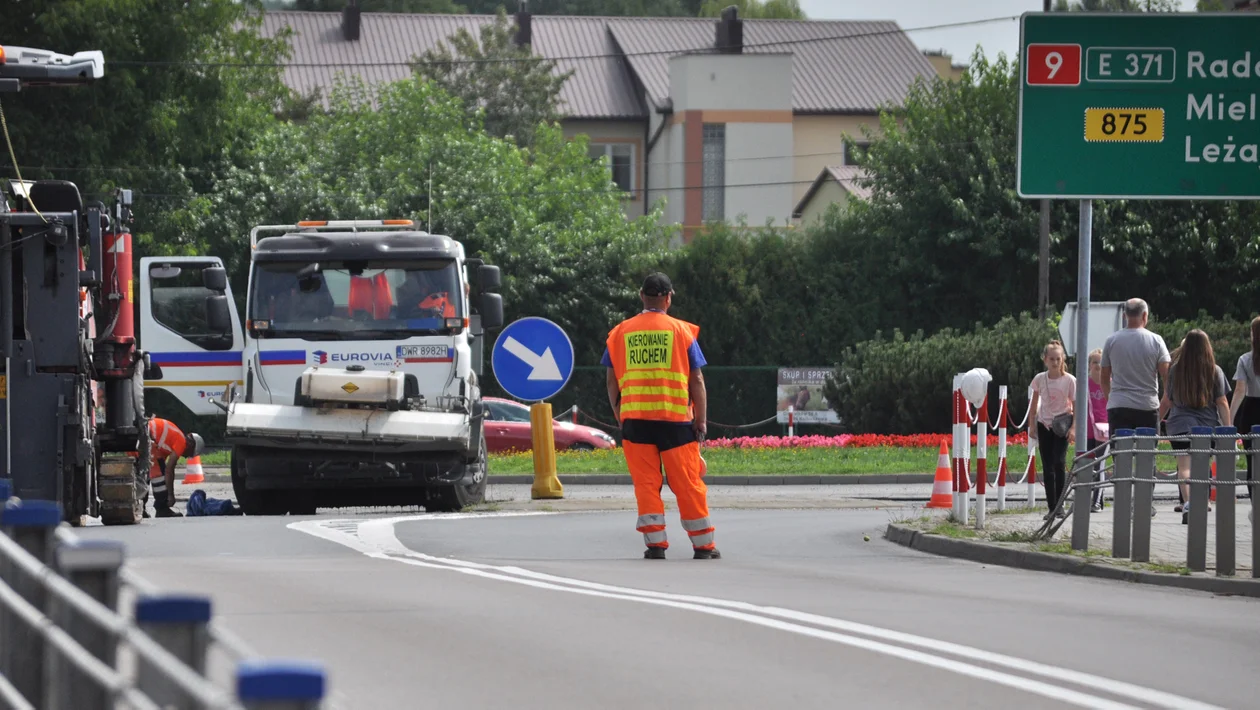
1143 105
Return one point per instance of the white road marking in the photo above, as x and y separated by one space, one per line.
376 539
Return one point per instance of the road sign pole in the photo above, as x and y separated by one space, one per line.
1081 499
546 483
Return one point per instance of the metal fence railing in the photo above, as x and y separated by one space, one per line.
1131 465
65 644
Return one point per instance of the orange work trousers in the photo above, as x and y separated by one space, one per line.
649 445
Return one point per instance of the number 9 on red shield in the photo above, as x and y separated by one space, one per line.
1053 65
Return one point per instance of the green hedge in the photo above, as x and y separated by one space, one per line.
901 385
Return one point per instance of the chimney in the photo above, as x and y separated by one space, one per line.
730 32
524 32
350 21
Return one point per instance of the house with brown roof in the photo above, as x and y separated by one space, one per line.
836 184
722 118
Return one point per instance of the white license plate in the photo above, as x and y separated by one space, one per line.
425 351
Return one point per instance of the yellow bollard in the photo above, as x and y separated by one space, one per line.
542 433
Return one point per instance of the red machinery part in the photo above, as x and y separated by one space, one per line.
118 289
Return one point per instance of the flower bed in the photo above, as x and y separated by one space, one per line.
851 441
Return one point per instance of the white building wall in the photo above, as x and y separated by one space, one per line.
755 158
731 82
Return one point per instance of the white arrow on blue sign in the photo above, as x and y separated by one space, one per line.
532 359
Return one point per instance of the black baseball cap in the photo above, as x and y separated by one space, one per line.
657 284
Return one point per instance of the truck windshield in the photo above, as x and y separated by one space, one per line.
355 300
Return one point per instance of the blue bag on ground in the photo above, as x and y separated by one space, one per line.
199 504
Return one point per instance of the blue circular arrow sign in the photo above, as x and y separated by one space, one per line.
532 359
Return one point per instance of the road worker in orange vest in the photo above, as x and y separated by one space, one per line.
167 443
657 393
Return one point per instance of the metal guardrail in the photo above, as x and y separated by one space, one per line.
65 644
1133 456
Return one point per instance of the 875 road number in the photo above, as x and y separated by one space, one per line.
1124 124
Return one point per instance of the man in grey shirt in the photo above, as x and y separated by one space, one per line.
1133 362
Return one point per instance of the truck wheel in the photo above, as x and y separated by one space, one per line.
252 502
469 490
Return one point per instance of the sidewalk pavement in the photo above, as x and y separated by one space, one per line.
1168 535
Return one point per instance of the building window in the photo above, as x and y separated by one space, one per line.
855 152
620 160
714 176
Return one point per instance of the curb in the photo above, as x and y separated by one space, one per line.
1049 562
221 475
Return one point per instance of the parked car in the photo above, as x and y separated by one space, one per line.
507 429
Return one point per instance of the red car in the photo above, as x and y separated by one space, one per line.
507 429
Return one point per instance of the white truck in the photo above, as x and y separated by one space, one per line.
355 380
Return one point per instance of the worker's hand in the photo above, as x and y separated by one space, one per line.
170 497
701 429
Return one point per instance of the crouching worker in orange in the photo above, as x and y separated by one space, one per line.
167 443
657 393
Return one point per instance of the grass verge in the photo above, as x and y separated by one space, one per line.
745 462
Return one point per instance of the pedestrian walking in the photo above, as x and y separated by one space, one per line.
166 444
657 393
1245 407
1195 396
1098 428
1134 360
1052 408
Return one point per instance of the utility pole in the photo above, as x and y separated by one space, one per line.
1043 261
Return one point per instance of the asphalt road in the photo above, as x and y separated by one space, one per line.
559 610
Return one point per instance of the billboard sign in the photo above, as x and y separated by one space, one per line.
801 388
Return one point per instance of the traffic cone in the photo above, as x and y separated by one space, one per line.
192 471
943 485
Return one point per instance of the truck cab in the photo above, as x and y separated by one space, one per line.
354 378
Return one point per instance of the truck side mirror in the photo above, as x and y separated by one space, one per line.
489 279
491 311
214 278
218 315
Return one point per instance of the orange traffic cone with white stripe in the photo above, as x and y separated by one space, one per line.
943 485
192 471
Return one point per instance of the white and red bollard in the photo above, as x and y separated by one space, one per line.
1004 415
982 461
956 436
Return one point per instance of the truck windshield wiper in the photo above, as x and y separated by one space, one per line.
391 334
307 334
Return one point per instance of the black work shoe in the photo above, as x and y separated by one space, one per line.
169 513
654 553
707 555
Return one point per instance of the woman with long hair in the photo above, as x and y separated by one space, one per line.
1195 396
1245 409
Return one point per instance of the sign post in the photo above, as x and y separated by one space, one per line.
533 361
1135 106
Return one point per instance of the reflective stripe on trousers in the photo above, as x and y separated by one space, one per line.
700 531
158 479
653 528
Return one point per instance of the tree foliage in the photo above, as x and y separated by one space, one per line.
159 121
416 6
756 9
548 216
516 89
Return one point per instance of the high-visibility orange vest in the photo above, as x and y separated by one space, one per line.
370 295
439 301
649 357
165 438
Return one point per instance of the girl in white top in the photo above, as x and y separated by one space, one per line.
1054 393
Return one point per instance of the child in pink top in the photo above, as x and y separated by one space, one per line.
1053 393
1098 429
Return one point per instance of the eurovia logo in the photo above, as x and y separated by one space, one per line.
320 357
207 393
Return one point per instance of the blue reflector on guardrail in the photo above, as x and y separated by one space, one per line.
279 680
173 610
30 513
